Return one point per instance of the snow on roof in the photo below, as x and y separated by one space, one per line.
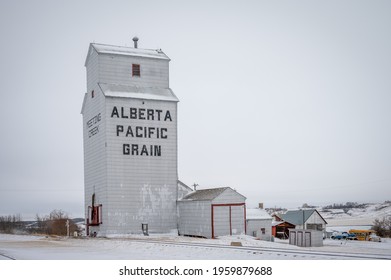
112 90
129 51
257 214
206 194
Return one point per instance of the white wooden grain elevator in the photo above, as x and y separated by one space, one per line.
130 141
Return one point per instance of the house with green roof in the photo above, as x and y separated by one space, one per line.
310 218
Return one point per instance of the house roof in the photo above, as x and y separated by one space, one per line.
206 194
296 216
113 90
257 214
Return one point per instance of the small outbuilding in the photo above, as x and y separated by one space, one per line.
259 224
211 213
310 218
280 229
306 238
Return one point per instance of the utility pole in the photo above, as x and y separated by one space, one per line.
67 225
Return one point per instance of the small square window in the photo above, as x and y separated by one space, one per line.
136 70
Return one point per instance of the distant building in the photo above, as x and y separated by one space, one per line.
259 224
211 213
311 219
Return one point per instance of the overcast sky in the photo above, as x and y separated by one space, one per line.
288 102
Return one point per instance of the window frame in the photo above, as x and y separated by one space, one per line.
136 70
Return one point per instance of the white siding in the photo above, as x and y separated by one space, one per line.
117 69
221 220
132 189
238 220
195 218
254 228
315 219
229 196
141 189
182 191
95 175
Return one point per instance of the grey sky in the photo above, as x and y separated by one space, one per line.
286 101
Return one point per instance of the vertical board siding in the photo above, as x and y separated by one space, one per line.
194 218
237 220
221 220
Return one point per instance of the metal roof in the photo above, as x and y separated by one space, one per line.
206 194
113 90
296 216
129 51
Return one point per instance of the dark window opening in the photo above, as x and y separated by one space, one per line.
92 94
136 70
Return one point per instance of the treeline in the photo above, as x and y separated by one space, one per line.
10 223
382 227
56 223
347 205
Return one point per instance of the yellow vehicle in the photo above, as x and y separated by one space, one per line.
363 234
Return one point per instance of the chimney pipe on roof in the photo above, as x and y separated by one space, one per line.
260 205
135 39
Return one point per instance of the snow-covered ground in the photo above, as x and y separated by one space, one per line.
357 216
171 247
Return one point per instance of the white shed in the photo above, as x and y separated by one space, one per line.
259 224
211 213
305 238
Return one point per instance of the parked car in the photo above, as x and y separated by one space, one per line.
374 238
339 235
343 235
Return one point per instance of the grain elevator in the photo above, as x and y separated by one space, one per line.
130 141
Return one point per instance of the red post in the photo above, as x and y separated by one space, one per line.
230 221
212 219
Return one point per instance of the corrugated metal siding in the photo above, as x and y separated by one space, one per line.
194 218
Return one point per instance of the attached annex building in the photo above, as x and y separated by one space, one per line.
212 212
